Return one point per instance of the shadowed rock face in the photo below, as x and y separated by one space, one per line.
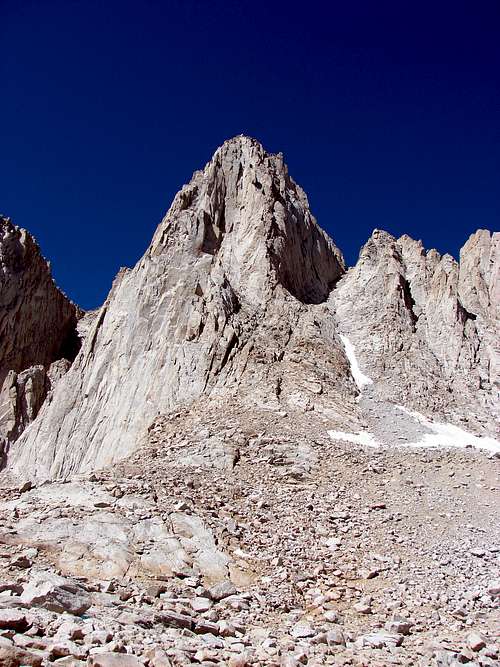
37 327
37 321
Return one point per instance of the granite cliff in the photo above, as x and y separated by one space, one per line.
38 337
426 327
242 297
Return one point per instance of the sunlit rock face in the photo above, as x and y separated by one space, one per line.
242 301
229 298
425 327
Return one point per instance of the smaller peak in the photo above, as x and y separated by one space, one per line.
480 234
379 241
406 238
381 236
479 242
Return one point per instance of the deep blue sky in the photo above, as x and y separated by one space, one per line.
388 114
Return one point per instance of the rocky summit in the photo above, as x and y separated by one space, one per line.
252 454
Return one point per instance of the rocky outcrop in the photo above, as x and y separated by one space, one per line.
425 328
228 299
479 290
37 328
109 537
21 398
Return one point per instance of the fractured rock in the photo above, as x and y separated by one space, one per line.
37 328
13 619
233 277
55 593
114 660
435 319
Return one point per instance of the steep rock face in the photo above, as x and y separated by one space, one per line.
229 299
479 289
37 327
21 398
425 327
241 303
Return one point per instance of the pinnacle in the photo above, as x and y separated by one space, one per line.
380 235
240 145
241 140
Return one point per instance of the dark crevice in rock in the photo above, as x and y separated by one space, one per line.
408 300
213 232
230 299
187 197
464 314
240 174
70 345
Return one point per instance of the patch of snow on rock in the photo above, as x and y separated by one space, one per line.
426 434
449 435
359 377
362 438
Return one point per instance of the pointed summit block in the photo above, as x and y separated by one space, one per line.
229 279
245 199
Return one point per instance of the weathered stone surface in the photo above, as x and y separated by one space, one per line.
109 544
66 648
114 660
17 657
426 328
21 397
37 327
227 287
55 593
335 637
13 619
380 639
476 641
302 630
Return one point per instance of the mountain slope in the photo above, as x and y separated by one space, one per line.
425 327
280 481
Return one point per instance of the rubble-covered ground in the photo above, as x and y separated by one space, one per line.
244 537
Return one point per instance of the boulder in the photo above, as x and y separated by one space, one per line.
55 593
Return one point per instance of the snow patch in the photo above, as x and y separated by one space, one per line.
449 435
441 435
362 438
359 377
